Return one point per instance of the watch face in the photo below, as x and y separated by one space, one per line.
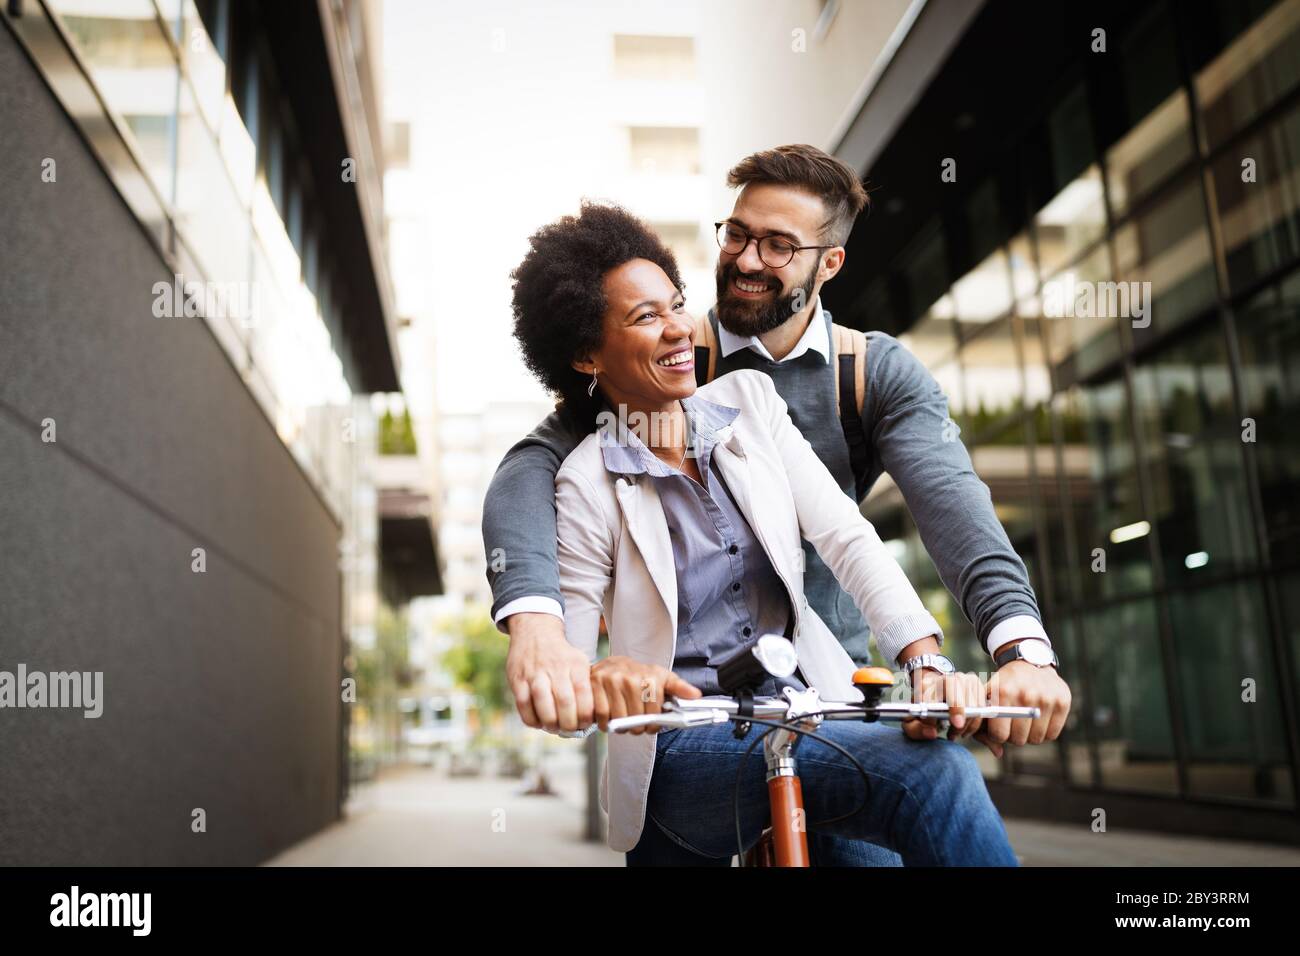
1036 652
936 662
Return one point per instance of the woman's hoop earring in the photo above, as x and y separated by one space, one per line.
591 389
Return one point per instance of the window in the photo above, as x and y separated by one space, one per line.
1199 498
925 271
134 68
1104 492
1072 221
1260 67
984 293
1168 246
1260 220
1236 747
1155 148
1080 309
664 150
1129 710
683 238
654 57
933 339
397 145
1146 111
994 386
1268 333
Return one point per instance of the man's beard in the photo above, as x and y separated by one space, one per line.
754 317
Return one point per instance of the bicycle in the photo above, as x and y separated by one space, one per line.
784 842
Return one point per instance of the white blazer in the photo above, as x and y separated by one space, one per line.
615 558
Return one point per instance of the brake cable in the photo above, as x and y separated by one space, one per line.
803 732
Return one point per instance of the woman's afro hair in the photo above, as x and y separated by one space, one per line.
559 303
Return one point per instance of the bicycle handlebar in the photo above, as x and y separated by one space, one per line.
702 711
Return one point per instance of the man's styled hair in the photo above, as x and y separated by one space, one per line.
808 168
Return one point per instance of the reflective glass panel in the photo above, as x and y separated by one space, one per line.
1268 337
1104 492
1256 70
1231 694
1257 192
1073 220
1164 261
991 370
1200 498
1130 707
132 64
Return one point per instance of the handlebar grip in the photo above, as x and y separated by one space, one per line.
670 719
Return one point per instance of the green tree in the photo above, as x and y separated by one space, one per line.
478 661
396 436
383 672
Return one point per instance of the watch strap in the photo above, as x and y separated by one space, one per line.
1014 653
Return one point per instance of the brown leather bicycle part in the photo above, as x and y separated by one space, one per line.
761 853
789 838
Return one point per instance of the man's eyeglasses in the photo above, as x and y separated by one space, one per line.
775 251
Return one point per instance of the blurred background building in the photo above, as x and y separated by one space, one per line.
1156 143
192 503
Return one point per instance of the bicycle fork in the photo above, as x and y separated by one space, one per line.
788 835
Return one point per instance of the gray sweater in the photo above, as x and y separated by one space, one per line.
905 420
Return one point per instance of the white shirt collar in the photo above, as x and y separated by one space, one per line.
814 337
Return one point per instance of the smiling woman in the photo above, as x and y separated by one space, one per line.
603 271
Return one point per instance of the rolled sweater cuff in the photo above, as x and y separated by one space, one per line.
901 631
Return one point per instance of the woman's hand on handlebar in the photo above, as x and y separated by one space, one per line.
959 689
623 687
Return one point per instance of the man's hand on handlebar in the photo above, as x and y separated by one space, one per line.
623 687
550 678
1022 684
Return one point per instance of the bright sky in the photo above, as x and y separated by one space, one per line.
502 142
515 115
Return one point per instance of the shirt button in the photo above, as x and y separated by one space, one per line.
733 549
746 632
735 586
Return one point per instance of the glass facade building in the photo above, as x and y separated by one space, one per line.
191 114
1094 245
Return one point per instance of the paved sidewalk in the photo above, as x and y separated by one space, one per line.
417 816
1040 843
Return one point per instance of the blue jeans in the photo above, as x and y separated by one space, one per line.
927 801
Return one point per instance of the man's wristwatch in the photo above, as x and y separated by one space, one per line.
933 661
1031 649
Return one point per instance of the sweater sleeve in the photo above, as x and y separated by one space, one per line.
906 418
519 527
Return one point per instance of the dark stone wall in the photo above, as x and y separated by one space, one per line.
221 689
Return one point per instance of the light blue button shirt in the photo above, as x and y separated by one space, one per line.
728 594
